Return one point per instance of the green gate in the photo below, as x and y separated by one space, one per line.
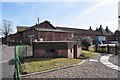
20 52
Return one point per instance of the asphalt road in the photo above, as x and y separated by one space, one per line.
7 61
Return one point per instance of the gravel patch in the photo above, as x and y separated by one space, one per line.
88 69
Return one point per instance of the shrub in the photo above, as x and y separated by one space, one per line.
86 42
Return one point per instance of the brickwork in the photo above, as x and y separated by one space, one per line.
63 53
39 53
48 54
56 49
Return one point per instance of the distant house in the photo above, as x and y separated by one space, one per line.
107 35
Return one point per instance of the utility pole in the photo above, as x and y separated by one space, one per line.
38 20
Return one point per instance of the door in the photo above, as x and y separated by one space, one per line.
75 51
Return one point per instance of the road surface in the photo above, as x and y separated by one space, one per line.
7 62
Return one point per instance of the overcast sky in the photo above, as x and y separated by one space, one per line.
75 13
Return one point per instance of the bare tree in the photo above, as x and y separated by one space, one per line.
6 28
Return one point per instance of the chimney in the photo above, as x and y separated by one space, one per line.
100 26
90 28
106 27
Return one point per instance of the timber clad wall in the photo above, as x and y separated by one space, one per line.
27 33
54 36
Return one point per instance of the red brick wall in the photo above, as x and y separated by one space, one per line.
63 53
45 54
40 53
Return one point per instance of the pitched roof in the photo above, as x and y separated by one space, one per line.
39 25
108 31
104 32
81 31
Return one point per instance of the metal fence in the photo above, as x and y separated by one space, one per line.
25 51
108 48
20 53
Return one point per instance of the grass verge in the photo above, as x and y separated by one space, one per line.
89 54
37 64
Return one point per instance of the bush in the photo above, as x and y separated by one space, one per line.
86 42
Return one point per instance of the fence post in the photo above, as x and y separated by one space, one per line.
96 48
16 72
116 49
108 49
33 48
26 51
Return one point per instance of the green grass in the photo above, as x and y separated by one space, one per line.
92 49
89 54
37 64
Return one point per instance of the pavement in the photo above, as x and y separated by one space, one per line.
91 68
7 62
105 60
115 59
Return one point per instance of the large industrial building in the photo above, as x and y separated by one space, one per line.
45 31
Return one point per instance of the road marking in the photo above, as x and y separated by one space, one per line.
104 60
5 61
93 60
